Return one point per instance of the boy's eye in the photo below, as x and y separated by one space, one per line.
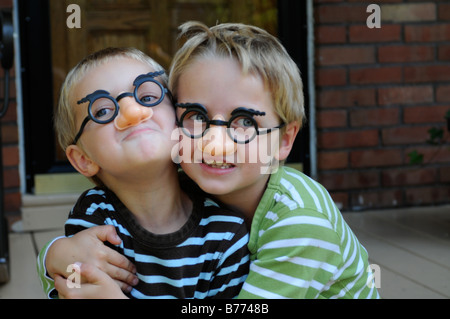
148 99
197 117
243 122
103 113
103 109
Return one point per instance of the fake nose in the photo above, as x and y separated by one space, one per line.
216 141
131 114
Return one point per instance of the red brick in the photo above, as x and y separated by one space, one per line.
348 139
10 134
331 77
363 34
330 34
408 12
349 180
375 158
444 174
332 160
427 33
10 156
11 178
443 93
425 114
402 53
329 119
377 199
374 117
444 12
6 3
11 114
405 95
427 195
444 53
340 13
404 135
345 55
409 176
433 73
346 98
13 202
376 75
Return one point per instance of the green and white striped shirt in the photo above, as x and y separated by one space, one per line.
301 246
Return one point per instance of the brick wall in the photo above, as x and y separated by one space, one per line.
379 91
10 137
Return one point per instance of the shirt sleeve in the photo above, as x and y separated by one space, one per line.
232 269
295 258
48 284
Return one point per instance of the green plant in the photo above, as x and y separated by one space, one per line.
436 137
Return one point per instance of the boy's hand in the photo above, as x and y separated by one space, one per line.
88 246
98 285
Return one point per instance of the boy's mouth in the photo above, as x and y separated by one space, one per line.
218 164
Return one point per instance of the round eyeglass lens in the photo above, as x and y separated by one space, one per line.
242 129
149 93
194 123
103 110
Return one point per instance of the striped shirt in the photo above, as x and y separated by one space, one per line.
206 258
301 246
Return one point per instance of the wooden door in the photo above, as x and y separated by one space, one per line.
149 25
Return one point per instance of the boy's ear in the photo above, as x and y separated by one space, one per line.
287 140
81 162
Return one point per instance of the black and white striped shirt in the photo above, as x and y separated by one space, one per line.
206 258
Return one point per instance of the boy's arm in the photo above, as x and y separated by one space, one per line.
47 282
85 246
233 267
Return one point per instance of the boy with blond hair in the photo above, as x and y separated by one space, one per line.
235 86
115 120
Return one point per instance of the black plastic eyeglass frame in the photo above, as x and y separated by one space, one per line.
91 98
238 112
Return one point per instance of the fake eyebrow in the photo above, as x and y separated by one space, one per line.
152 75
190 106
92 96
245 110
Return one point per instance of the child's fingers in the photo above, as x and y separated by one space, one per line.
106 233
123 278
92 274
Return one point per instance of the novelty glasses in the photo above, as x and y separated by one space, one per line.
103 108
242 127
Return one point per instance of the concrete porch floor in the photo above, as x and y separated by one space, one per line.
411 247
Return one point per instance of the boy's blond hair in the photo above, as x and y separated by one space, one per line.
65 123
258 53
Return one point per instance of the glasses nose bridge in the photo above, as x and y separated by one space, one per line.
131 113
216 141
